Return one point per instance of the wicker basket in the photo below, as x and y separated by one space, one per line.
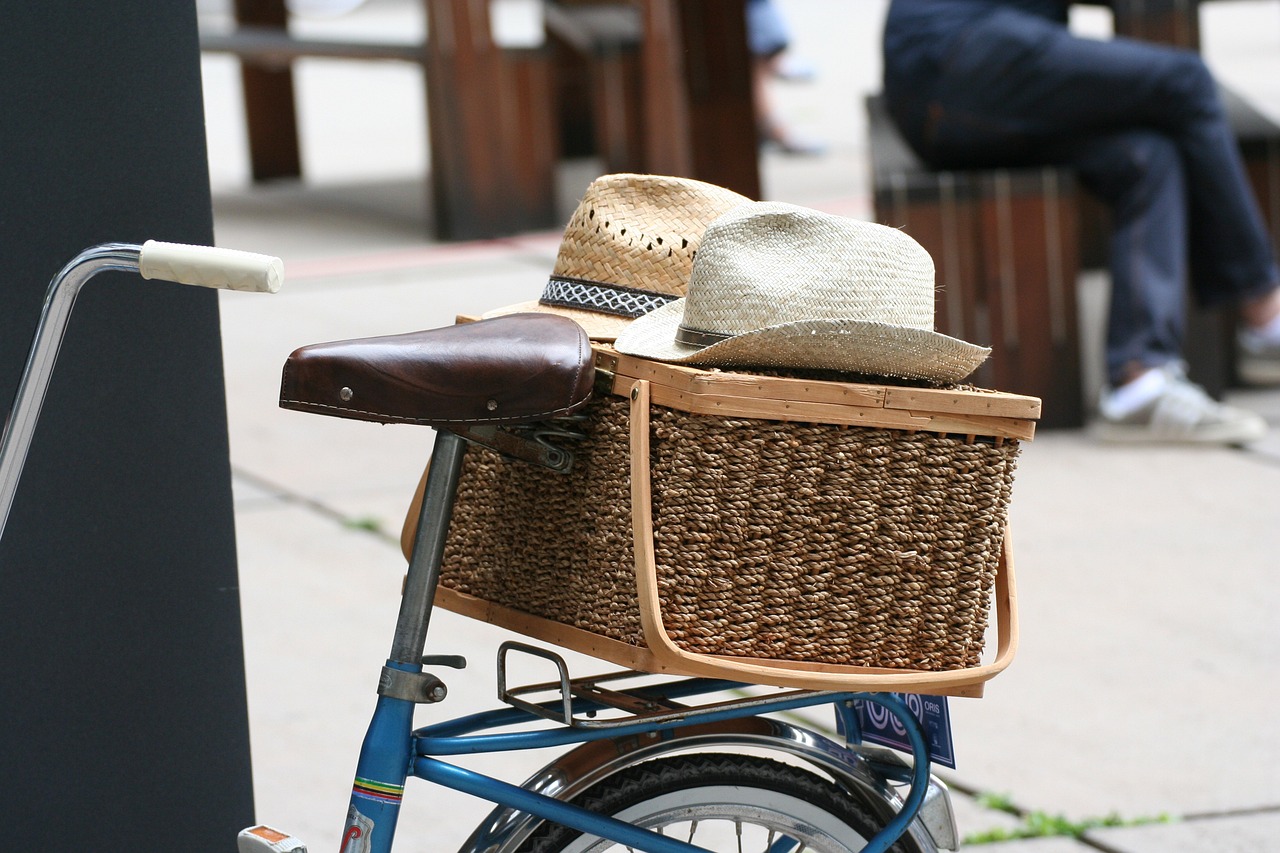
749 527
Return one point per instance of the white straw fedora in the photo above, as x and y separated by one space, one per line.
776 285
627 249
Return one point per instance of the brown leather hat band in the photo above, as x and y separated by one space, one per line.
699 338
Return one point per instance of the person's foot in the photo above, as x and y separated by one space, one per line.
794 69
1163 406
794 145
321 8
1258 350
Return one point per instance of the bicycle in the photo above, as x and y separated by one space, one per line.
644 761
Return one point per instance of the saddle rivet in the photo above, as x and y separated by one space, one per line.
346 394
491 405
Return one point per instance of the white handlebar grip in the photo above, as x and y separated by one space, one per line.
208 266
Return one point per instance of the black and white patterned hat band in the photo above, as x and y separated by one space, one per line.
583 295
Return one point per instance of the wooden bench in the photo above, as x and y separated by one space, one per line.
676 101
1009 245
1006 249
1056 232
493 140
658 86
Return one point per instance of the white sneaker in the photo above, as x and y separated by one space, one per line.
321 8
1164 406
1258 357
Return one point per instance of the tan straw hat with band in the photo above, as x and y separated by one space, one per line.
628 249
776 285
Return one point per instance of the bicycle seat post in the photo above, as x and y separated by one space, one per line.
428 550
385 754
478 378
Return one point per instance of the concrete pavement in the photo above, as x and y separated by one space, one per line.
1145 687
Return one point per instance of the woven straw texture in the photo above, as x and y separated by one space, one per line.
770 263
800 542
792 287
638 232
641 231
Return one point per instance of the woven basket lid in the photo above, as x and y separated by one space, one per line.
628 249
776 285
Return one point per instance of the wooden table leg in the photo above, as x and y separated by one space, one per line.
668 146
489 116
722 119
699 116
270 111
1175 22
676 97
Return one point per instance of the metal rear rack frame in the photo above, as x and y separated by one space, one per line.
652 702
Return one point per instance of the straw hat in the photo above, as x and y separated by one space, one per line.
627 249
776 285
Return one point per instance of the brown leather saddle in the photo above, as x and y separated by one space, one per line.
517 369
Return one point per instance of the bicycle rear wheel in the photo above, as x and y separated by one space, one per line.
738 803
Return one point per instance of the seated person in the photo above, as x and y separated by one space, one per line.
984 83
768 38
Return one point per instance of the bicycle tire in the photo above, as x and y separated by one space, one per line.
762 799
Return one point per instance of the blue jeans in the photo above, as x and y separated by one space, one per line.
1143 128
767 31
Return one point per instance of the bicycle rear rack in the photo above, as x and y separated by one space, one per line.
653 702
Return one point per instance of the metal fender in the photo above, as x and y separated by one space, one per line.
877 776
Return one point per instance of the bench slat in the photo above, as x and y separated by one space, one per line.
270 45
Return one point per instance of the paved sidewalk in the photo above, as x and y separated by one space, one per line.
1145 687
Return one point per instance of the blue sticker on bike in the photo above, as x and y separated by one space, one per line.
879 725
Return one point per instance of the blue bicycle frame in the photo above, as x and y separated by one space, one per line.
393 751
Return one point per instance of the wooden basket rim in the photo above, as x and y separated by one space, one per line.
965 412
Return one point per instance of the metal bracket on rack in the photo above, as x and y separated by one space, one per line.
511 696
649 705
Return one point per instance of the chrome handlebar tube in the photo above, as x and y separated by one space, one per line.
58 302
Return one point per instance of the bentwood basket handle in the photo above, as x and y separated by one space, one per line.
670 657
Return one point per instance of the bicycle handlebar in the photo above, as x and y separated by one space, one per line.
208 266
204 266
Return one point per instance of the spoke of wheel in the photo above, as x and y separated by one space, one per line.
693 828
782 844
